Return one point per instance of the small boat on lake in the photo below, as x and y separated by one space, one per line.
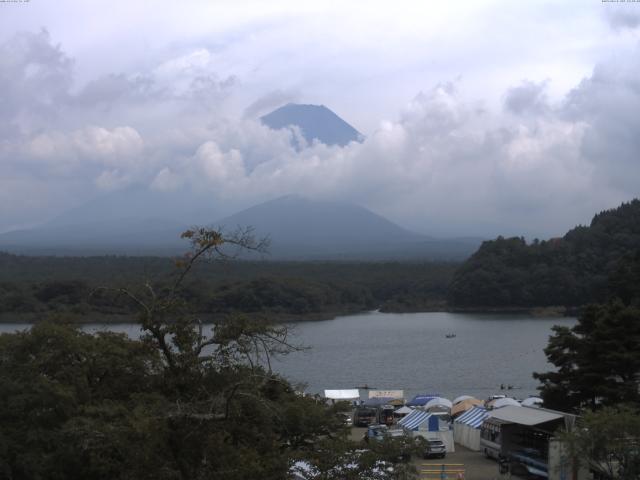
450 335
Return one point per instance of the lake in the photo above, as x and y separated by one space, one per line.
411 352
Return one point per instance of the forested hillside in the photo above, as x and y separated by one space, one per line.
572 271
33 287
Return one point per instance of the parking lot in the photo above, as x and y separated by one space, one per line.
474 464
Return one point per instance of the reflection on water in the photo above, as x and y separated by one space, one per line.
411 352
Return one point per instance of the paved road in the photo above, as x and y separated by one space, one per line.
474 464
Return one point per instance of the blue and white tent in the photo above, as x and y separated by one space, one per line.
428 425
420 420
473 417
420 400
466 428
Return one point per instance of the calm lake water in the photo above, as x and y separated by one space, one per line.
411 352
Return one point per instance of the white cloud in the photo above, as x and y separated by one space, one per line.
515 144
92 145
166 181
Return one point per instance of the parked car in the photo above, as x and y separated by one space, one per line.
435 449
375 431
348 418
363 416
385 415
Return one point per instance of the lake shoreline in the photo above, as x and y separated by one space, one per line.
281 317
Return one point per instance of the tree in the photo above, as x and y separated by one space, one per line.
610 439
181 403
597 361
66 396
571 271
381 460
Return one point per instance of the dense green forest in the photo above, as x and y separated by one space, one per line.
506 273
574 270
33 286
175 404
596 375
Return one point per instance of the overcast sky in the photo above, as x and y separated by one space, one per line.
481 118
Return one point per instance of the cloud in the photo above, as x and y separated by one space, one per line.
166 181
91 145
270 101
621 16
527 98
35 77
608 102
445 164
116 89
112 180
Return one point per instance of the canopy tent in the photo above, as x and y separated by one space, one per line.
464 405
473 417
351 394
420 400
439 403
403 411
419 419
428 425
532 402
466 428
503 402
461 398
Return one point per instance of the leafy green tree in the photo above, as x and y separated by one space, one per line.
570 271
624 282
380 460
610 439
597 361
183 402
56 381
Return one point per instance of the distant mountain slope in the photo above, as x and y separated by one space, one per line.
573 270
295 219
300 228
315 122
140 202
130 236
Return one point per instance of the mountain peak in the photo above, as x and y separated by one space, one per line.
316 122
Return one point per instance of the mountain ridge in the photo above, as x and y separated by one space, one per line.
300 228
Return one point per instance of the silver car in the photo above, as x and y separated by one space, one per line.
435 448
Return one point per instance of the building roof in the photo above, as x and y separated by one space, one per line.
525 415
342 394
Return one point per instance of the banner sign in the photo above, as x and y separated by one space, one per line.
386 393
